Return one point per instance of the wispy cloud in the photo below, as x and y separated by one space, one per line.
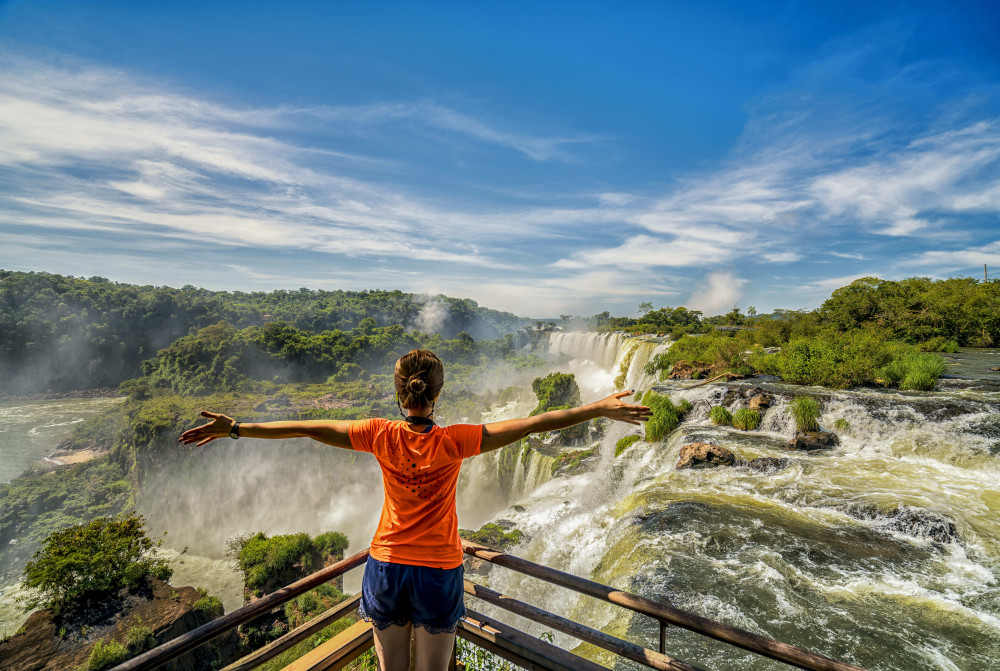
950 261
95 148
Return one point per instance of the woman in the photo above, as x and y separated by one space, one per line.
413 580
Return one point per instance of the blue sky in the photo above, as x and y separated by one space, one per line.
542 158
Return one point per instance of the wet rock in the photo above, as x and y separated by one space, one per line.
767 465
690 370
760 402
705 455
814 440
924 524
994 369
909 521
476 566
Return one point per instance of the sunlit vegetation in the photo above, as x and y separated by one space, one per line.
105 654
665 418
555 391
805 411
208 604
745 419
720 416
268 560
625 443
493 535
841 424
92 560
570 461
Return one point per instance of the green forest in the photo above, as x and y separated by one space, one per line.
59 333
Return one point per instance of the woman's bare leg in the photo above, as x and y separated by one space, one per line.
392 646
433 650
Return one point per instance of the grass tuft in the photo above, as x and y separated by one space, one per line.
806 411
746 419
720 416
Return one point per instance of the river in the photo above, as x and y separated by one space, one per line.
884 552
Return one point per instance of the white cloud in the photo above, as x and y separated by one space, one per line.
961 259
782 257
718 292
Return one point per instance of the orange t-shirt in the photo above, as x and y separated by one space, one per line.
419 523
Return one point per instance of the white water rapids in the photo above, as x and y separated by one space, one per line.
836 552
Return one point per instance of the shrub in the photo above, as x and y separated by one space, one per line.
307 603
923 372
720 416
492 535
684 407
331 543
745 419
664 419
211 605
139 639
262 559
555 391
626 442
940 344
842 424
100 557
105 654
570 461
806 411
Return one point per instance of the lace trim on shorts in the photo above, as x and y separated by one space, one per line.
381 625
437 630
403 622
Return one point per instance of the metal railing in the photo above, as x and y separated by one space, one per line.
497 637
665 615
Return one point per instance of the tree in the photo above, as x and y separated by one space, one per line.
91 560
645 307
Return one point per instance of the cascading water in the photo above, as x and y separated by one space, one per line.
884 551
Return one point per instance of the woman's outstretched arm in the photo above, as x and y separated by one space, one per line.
498 434
331 432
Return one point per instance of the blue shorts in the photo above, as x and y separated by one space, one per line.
397 594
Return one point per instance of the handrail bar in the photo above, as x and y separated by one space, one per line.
632 651
762 645
185 642
519 647
300 633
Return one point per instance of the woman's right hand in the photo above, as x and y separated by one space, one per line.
219 427
613 407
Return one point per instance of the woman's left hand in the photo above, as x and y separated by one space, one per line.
613 407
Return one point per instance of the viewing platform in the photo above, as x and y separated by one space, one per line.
519 648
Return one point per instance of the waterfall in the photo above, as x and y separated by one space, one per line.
606 362
884 551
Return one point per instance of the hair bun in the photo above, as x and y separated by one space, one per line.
416 385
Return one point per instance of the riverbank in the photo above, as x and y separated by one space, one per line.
99 392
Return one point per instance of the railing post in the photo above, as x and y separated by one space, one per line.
663 637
